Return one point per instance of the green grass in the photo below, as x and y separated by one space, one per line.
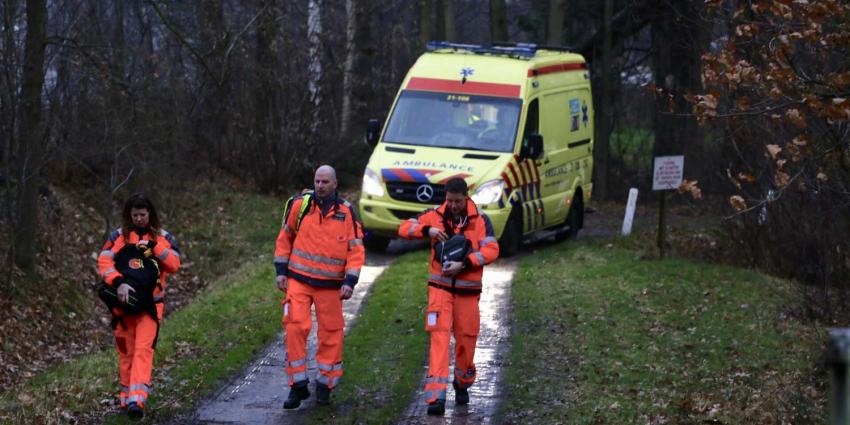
198 346
385 349
602 336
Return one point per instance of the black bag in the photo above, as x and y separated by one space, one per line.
141 272
454 249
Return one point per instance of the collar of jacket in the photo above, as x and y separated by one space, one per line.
471 209
331 202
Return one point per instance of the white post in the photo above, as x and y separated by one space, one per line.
630 211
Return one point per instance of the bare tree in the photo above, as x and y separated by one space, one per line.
314 69
356 78
498 21
31 133
555 27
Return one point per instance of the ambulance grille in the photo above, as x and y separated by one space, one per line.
406 191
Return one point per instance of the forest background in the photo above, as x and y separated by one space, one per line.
181 99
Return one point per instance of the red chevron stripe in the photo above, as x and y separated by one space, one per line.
507 182
525 177
517 183
530 173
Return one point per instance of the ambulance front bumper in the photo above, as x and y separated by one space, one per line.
382 217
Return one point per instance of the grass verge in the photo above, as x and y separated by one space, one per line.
601 336
384 350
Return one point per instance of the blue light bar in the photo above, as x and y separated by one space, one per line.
522 50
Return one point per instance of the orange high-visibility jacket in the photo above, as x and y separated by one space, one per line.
326 250
165 250
478 230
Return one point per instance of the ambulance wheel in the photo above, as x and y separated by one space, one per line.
573 222
375 243
511 241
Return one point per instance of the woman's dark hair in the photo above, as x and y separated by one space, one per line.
457 185
140 201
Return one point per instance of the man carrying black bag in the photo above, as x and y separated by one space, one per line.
462 242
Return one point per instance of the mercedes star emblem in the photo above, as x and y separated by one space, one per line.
424 193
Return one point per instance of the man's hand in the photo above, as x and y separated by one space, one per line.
281 283
345 292
437 234
452 268
124 292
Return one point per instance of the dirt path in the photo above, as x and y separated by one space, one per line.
490 353
256 396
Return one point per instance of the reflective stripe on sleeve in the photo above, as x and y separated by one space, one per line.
487 240
107 253
353 272
412 230
480 258
282 259
355 242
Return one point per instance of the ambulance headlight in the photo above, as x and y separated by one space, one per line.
489 192
372 184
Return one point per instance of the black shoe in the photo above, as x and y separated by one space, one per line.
135 412
461 394
296 394
438 407
323 394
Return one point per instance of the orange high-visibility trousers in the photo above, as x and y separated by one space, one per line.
446 312
135 357
297 323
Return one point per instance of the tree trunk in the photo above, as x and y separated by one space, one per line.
446 20
314 67
498 21
555 27
357 81
31 153
604 110
266 124
213 124
425 13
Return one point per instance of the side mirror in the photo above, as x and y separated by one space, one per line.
532 147
373 131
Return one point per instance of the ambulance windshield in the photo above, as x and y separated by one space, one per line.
459 121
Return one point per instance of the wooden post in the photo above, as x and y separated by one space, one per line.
661 219
838 358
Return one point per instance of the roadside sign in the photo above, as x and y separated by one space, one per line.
668 172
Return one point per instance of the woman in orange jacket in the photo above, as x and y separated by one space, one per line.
136 333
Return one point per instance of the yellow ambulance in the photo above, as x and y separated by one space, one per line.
515 121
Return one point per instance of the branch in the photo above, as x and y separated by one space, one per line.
183 41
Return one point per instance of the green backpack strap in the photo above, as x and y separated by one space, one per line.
307 198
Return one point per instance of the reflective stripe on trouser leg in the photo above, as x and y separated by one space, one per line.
330 375
297 322
435 387
330 335
467 322
123 394
296 371
139 394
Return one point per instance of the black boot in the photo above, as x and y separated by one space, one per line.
135 412
296 395
461 394
437 407
323 394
